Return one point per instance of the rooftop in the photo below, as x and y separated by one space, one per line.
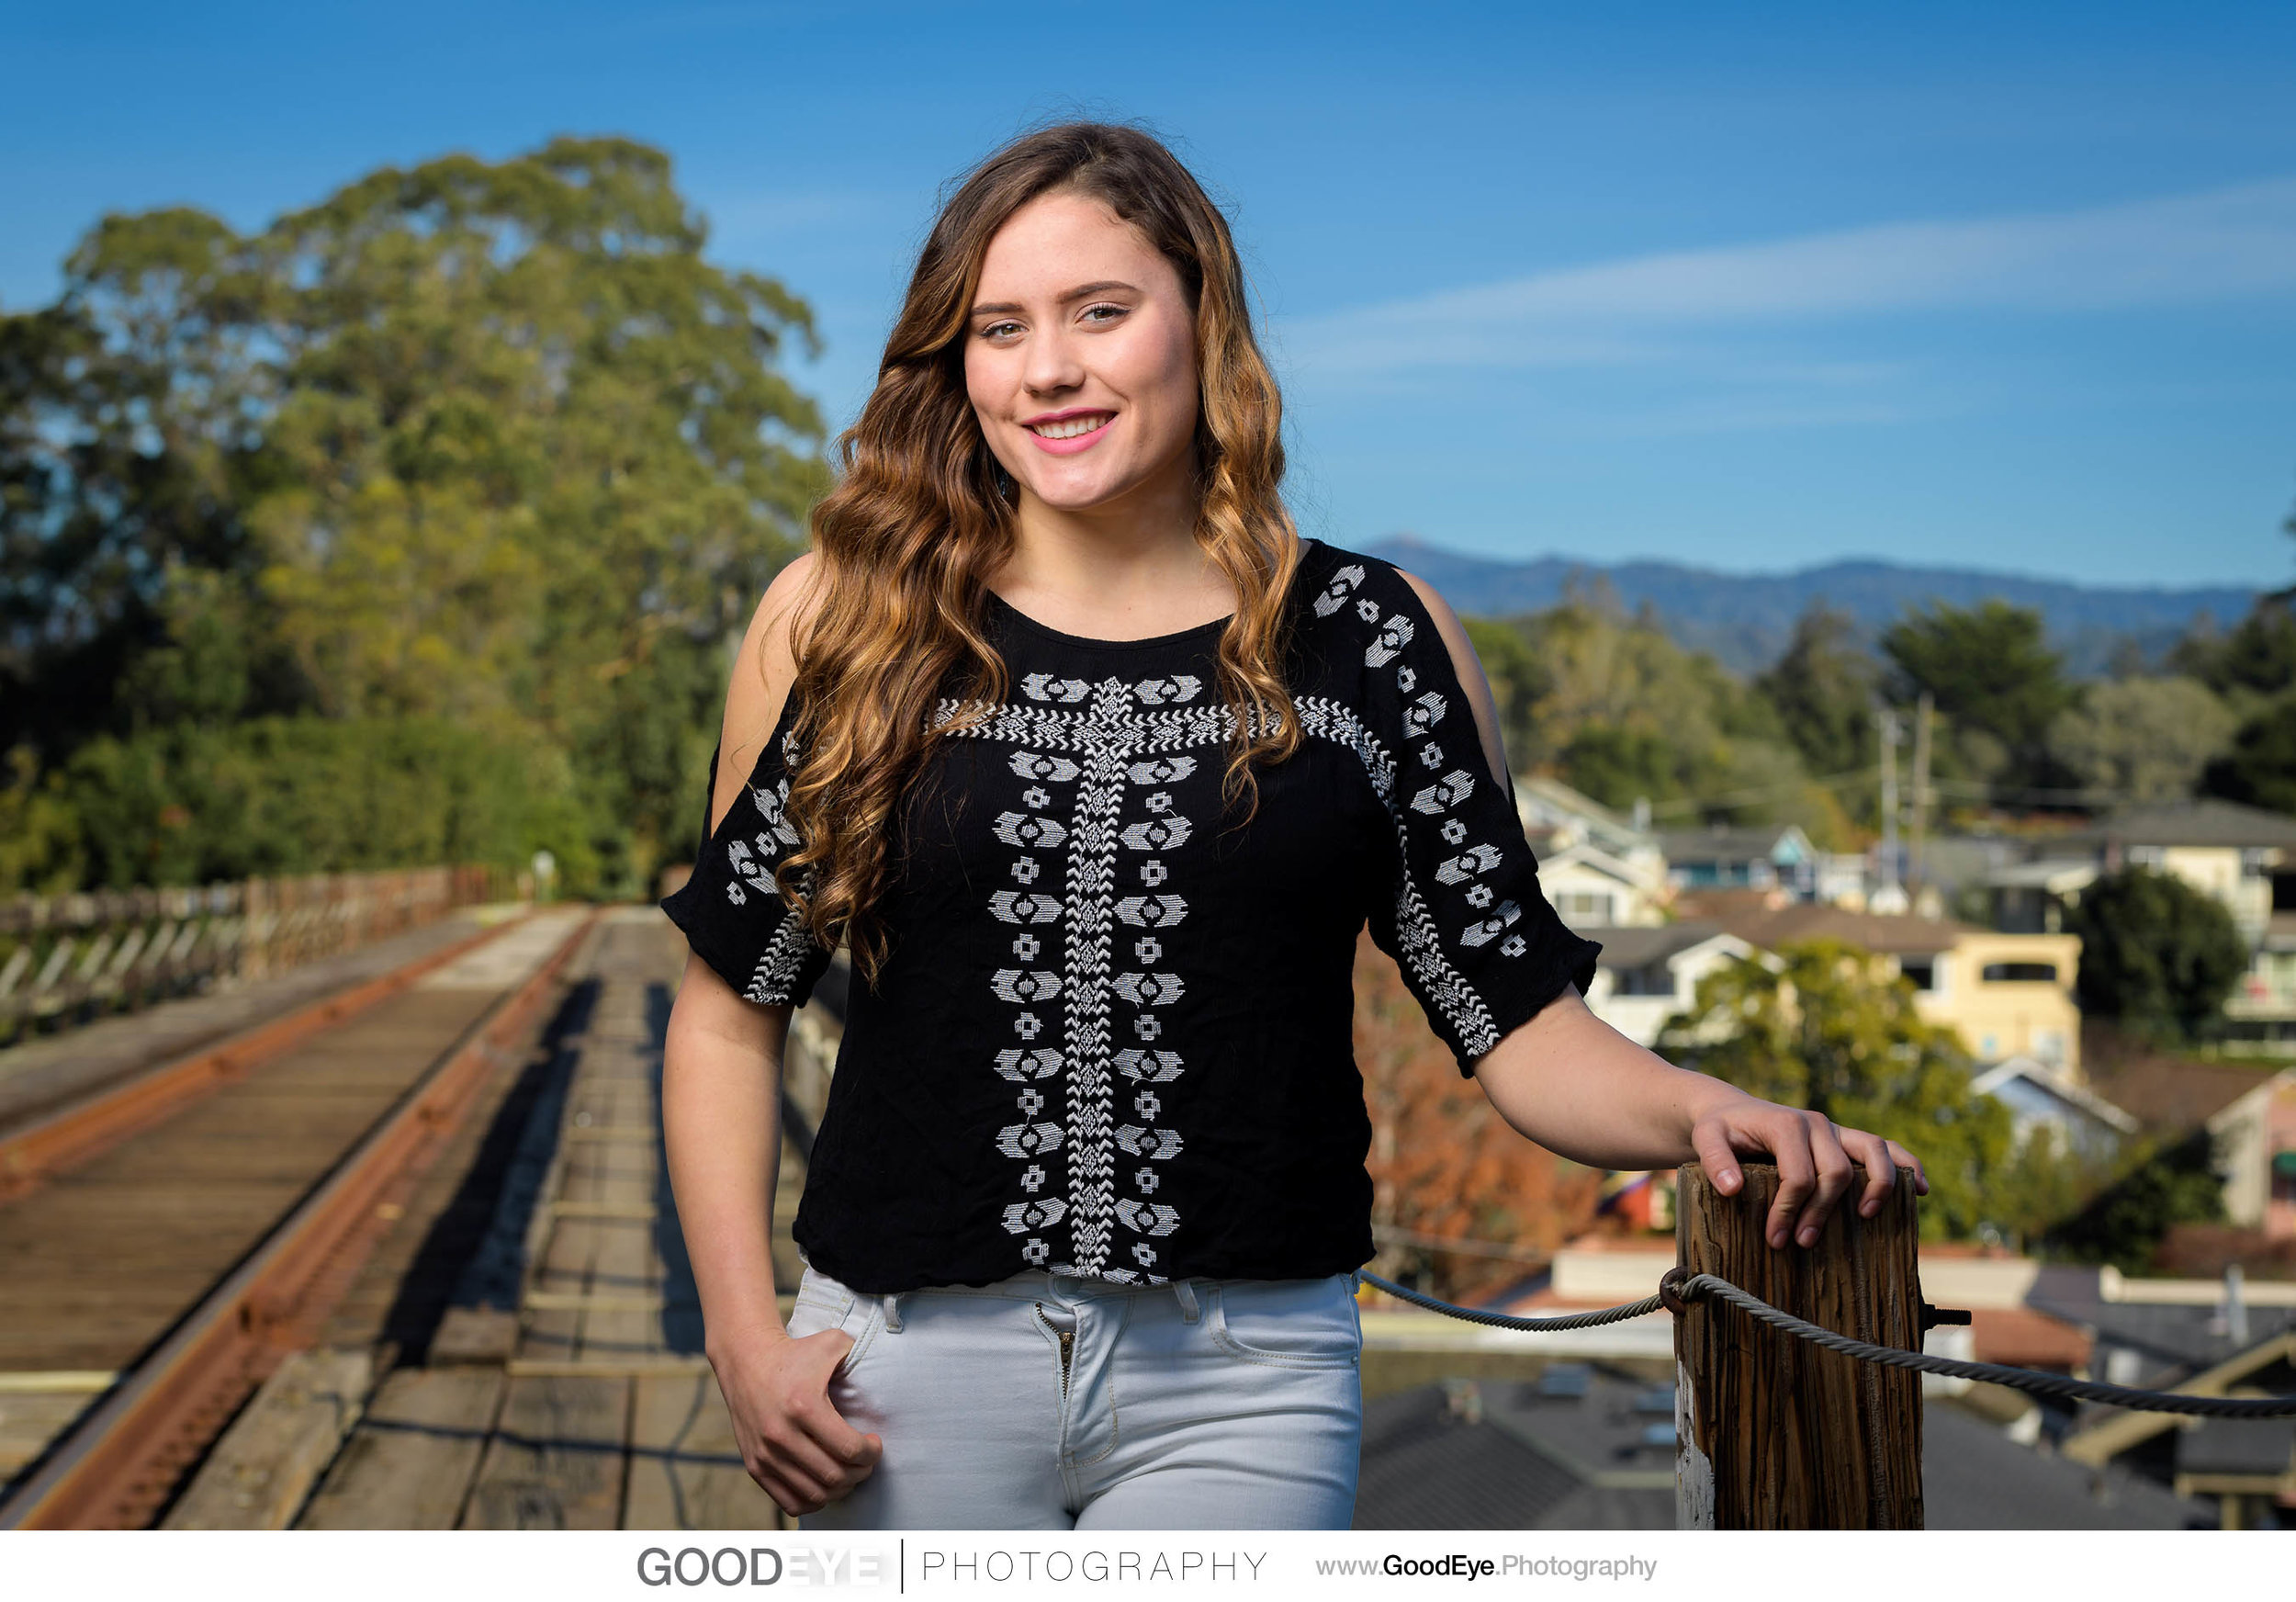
1772 927
2169 1340
2163 1092
1510 1454
1539 795
1724 843
2188 823
1639 947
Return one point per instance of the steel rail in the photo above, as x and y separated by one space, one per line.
72 1134
118 1465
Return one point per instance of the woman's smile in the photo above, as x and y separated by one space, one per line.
1065 436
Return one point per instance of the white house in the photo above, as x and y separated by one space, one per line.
1648 973
2042 1096
1597 868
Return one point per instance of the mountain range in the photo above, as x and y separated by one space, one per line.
1745 620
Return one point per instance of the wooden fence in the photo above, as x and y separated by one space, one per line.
65 959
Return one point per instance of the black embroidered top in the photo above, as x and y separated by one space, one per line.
1112 1036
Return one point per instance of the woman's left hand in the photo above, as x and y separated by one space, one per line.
1817 1162
1581 1090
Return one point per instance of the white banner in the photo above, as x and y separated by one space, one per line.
387 1566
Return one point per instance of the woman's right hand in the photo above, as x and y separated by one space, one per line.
796 1446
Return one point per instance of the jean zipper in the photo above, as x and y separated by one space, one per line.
1066 1339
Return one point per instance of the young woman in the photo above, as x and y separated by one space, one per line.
1096 767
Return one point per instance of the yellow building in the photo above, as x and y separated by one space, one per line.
2006 995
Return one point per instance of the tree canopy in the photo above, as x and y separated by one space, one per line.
490 445
1618 710
1824 1028
2155 953
2142 739
1994 678
1824 687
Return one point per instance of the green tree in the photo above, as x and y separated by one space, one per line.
2047 1184
1823 687
2166 1184
122 466
1618 764
2260 768
1518 681
305 794
469 443
1824 1028
40 844
1614 707
1994 680
2155 953
2254 662
2148 739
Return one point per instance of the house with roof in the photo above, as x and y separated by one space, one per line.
1647 975
2041 1097
2207 1338
1598 868
2243 857
1587 1445
1730 857
2249 1115
2006 995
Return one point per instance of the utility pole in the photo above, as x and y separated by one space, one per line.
1890 890
1920 874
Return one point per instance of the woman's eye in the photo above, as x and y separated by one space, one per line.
1113 312
994 329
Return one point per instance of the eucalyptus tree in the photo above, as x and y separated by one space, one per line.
490 442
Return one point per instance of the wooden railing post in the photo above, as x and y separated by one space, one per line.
1773 1432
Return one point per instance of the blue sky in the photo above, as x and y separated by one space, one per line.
1753 288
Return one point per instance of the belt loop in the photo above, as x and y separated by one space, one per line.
892 1312
1189 1312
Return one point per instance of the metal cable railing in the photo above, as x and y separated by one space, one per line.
1678 1288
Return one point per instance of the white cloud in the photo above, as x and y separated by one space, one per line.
2220 244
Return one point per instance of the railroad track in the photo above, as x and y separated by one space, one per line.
166 1244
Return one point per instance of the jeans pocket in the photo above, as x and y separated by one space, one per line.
1291 1324
862 1321
822 1303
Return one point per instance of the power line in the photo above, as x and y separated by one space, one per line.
1767 792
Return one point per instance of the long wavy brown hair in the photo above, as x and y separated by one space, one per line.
919 519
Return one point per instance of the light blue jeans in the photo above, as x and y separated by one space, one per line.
1047 1402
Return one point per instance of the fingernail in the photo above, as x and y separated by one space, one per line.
1869 1207
1809 1236
1727 1177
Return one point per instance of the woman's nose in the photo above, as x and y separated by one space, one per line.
1053 364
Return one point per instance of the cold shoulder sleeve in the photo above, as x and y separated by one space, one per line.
1458 905
732 913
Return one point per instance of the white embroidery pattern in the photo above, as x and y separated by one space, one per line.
1334 595
1416 926
774 980
1416 929
1120 741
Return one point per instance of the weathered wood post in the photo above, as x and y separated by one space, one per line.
1773 1432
